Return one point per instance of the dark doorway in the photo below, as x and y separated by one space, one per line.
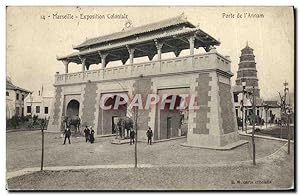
72 108
171 118
72 113
108 118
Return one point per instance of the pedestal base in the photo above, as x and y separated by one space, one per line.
219 142
226 147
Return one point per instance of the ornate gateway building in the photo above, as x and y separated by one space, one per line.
207 76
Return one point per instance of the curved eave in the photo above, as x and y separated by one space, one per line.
203 39
178 20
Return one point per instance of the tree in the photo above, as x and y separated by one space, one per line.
286 110
15 121
43 126
135 115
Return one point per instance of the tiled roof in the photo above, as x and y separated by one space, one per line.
11 86
136 30
141 40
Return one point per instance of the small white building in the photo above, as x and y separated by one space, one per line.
38 104
247 103
268 110
15 97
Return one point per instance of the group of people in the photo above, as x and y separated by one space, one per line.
149 134
88 133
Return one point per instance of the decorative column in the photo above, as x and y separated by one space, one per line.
131 53
103 59
192 44
66 63
159 46
82 59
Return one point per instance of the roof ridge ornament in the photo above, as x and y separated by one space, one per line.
183 16
127 25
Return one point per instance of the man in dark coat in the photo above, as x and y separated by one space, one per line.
132 135
149 136
87 134
67 134
92 138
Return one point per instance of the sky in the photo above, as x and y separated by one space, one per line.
33 43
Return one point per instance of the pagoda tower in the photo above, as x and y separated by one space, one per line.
247 71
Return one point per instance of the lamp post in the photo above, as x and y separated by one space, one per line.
281 112
253 126
252 95
287 113
243 119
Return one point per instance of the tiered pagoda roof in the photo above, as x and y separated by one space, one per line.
247 71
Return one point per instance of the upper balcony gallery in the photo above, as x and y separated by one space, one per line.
170 35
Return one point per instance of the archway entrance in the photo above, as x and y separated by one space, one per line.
72 108
72 114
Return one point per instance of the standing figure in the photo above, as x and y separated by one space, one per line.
149 136
132 135
87 134
116 129
92 138
67 134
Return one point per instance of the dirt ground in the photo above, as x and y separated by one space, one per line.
24 151
277 132
220 172
266 175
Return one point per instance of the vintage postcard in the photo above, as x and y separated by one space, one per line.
150 98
